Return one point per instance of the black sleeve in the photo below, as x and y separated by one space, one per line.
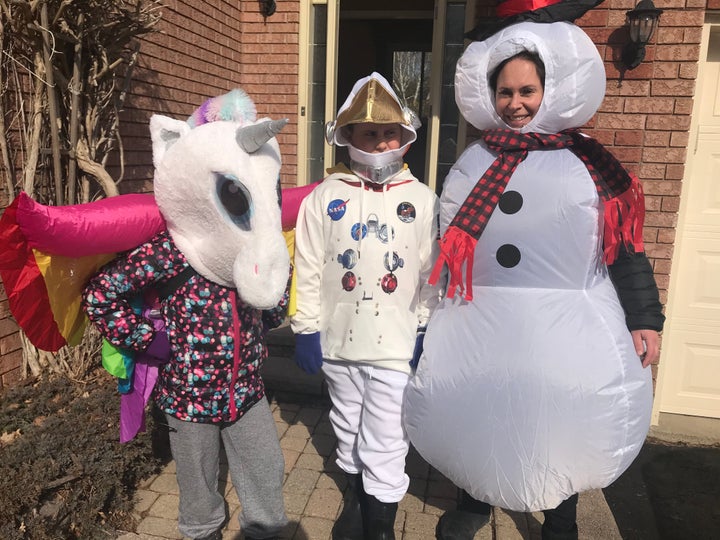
634 281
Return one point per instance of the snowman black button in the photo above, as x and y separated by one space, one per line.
510 202
508 255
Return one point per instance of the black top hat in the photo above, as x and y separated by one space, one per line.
541 11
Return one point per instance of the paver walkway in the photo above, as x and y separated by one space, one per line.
313 492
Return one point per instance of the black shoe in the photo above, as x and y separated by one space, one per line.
349 525
379 519
463 523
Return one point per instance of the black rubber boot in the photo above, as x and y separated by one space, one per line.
465 522
379 519
561 522
349 524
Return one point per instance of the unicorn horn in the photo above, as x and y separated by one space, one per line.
251 138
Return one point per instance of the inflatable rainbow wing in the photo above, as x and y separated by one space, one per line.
47 254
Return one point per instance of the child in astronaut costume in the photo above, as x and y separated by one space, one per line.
366 240
531 387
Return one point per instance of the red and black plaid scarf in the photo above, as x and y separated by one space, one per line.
621 193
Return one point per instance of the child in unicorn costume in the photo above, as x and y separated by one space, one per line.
366 239
219 274
533 385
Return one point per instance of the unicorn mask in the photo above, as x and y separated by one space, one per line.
217 186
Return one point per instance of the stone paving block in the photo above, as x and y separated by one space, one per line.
302 480
321 444
437 506
420 523
324 503
165 528
146 482
332 480
165 483
296 501
309 416
314 462
510 525
412 502
291 457
300 431
281 428
297 444
233 523
293 523
324 427
143 499
314 528
166 506
442 489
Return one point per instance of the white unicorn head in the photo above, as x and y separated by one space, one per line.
217 186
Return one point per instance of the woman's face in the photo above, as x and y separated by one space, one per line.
375 138
519 92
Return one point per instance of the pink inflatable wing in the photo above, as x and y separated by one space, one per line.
291 199
105 226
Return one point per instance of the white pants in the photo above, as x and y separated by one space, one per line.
366 417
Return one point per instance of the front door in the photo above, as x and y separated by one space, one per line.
689 378
414 44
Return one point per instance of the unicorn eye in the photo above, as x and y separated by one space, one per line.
236 200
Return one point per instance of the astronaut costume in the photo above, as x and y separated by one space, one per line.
530 389
366 240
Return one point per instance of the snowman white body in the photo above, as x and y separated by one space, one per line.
532 391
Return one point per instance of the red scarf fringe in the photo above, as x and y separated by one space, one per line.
624 217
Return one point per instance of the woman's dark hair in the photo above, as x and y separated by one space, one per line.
525 55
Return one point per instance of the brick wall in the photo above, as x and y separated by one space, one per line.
201 49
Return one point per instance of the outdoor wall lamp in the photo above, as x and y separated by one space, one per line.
642 21
267 7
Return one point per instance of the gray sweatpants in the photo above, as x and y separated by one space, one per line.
256 466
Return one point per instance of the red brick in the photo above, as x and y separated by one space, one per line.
683 106
673 88
670 34
657 138
686 17
8 326
649 105
604 136
666 236
633 137
688 70
650 235
666 70
660 219
675 172
680 139
629 88
665 121
625 121
652 202
670 204
662 266
612 105
662 187
664 155
683 53
652 171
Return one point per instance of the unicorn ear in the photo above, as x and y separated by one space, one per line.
165 131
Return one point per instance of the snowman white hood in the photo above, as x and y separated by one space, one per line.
574 76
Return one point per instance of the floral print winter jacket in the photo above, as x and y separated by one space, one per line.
217 343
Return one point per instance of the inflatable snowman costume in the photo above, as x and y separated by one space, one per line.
532 390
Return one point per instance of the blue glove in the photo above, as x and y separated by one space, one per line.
419 340
308 353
